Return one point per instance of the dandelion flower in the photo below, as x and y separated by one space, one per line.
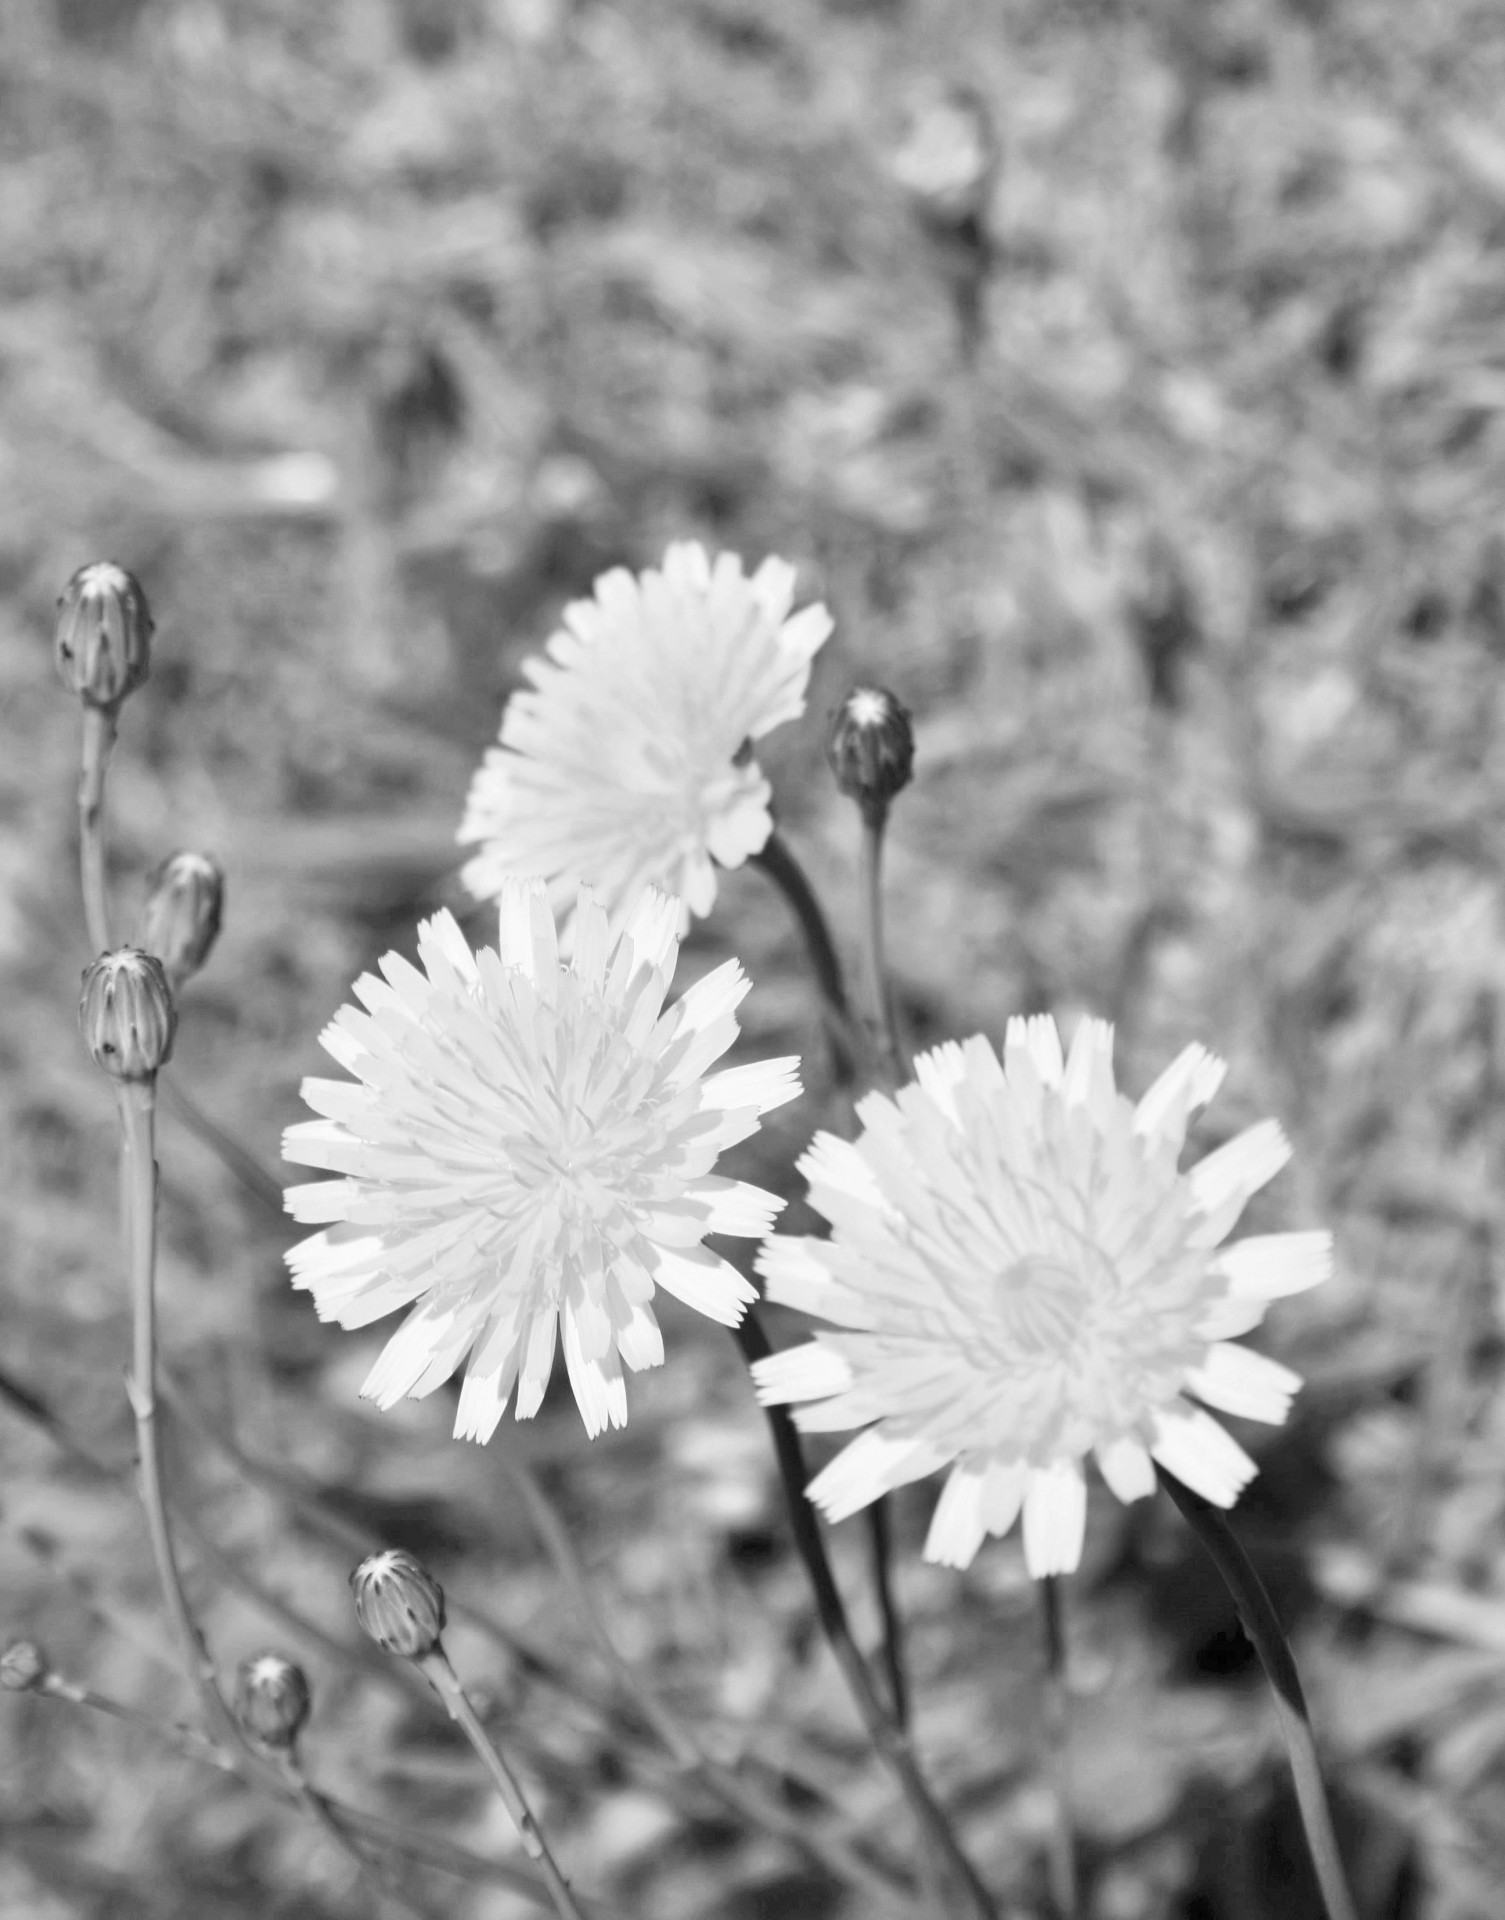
627 762
527 1146
1021 1276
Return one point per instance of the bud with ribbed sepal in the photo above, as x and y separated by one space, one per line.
104 634
272 1699
23 1667
870 745
399 1603
126 1013
185 903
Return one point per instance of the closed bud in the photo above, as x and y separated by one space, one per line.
126 1013
184 904
272 1699
870 745
949 163
23 1667
399 1603
104 634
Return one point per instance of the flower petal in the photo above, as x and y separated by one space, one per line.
1201 1454
1237 1380
1270 1265
1088 1077
810 1372
1126 1467
956 1526
1055 1518
704 1281
1189 1082
871 1465
1223 1183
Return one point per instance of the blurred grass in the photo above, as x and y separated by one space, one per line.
368 334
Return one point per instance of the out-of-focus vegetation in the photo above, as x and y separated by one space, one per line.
367 333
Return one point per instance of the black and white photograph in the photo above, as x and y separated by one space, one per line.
752 960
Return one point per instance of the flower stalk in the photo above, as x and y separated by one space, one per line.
436 1668
408 1842
777 862
137 1104
99 737
1260 1621
888 1737
834 1855
1062 1852
893 1061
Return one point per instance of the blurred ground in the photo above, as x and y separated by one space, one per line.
369 333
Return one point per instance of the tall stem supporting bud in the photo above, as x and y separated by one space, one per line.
870 747
99 737
446 1683
400 1605
894 1060
137 1100
102 646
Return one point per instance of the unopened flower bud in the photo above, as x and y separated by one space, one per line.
870 746
272 1699
184 904
126 1013
399 1603
949 163
23 1667
104 634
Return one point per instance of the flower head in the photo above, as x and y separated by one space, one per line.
23 1667
185 905
950 158
870 747
272 1698
399 1603
627 763
1022 1276
126 1014
528 1146
104 634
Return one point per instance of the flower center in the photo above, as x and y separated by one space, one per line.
1040 1307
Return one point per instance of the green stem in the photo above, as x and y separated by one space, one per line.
389 1834
1062 1860
446 1683
1262 1624
894 1061
888 1738
884 1881
893 1064
137 1101
780 866
834 1855
880 1552
377 1876
99 737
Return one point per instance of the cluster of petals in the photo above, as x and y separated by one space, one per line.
1020 1275
627 761
527 1150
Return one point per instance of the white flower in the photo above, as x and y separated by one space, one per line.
1023 1276
626 764
527 1143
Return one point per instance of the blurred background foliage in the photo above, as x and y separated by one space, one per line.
368 333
